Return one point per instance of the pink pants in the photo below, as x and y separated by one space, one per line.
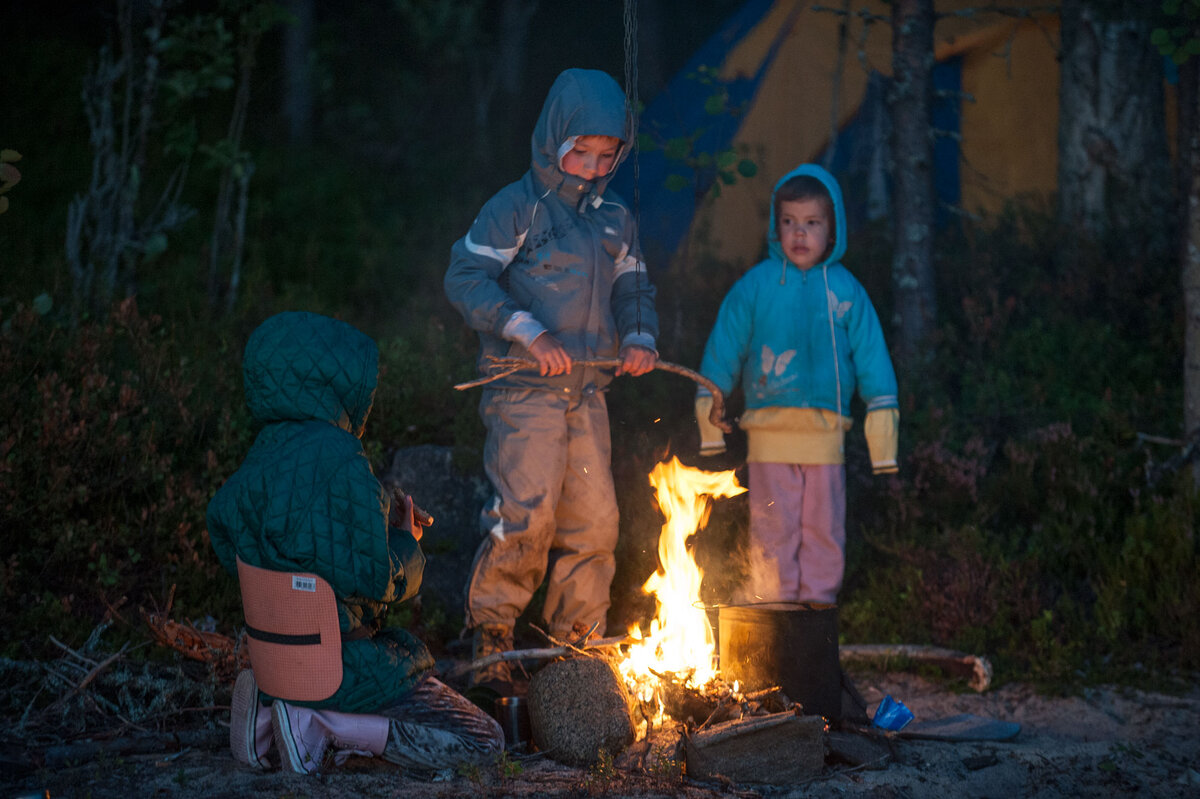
797 532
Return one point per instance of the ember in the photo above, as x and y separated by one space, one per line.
679 647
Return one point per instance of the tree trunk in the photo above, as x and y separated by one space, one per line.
1189 161
503 70
912 174
1113 167
297 72
652 74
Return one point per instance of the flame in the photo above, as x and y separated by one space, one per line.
680 640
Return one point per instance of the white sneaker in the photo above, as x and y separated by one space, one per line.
249 724
305 737
300 736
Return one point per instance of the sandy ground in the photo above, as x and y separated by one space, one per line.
1103 742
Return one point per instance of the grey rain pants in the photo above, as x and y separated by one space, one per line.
549 458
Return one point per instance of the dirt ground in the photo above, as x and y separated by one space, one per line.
1103 742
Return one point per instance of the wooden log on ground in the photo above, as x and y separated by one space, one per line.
779 749
976 670
577 708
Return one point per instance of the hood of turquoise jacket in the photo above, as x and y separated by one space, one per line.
581 102
839 212
301 367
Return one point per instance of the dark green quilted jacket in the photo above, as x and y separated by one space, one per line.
305 498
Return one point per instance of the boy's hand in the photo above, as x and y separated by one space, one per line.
636 361
716 417
552 359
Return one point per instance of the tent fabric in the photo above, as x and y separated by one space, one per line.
779 61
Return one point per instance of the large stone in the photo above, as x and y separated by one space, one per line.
577 708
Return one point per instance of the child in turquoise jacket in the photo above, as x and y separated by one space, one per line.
801 334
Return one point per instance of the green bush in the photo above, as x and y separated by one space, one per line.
1023 524
115 438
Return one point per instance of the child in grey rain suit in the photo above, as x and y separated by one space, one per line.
551 270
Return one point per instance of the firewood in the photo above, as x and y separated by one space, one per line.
779 749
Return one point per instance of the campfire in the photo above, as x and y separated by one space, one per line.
679 649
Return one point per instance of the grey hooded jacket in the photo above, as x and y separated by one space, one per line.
557 253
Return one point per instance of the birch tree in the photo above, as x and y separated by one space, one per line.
1113 172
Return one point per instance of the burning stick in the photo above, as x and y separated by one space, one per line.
420 516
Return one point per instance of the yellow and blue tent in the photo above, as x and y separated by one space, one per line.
805 88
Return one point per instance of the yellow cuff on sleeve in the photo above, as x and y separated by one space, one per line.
882 430
712 439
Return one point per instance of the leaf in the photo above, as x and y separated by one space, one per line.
42 304
155 246
728 178
645 142
725 158
677 148
8 156
715 104
676 182
9 177
3 204
747 168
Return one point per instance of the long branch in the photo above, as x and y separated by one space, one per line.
499 368
533 654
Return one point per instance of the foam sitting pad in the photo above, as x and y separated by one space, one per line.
294 639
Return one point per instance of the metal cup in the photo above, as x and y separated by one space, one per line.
513 714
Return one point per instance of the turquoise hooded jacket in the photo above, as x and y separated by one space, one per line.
305 498
805 339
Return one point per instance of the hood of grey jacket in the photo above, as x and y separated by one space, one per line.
581 102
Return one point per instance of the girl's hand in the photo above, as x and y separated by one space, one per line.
636 361
552 359
405 515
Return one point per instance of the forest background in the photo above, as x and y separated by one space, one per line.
1045 510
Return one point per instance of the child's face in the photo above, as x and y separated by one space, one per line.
592 157
803 231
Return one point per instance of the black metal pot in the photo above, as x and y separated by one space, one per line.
790 644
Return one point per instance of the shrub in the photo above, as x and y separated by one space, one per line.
114 440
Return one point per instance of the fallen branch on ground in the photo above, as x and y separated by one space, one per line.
227 655
974 668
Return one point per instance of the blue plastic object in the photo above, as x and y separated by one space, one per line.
892 715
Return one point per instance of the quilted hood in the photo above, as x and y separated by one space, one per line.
302 366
